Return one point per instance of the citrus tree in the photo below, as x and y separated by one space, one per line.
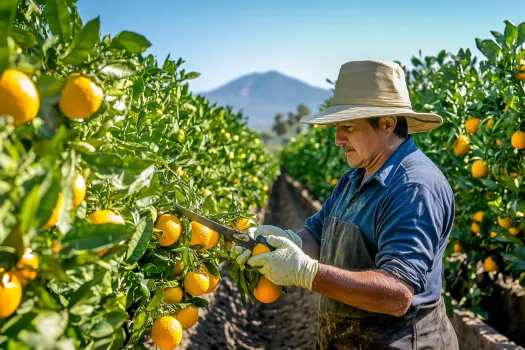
98 141
480 149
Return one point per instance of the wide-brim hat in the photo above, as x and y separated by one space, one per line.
368 89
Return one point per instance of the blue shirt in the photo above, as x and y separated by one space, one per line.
405 213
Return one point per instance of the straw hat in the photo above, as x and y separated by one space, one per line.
367 89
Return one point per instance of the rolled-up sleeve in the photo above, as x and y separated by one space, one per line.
409 231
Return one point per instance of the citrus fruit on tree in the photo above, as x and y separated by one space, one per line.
201 235
514 231
172 295
461 145
188 317
19 97
478 216
243 224
196 283
213 279
505 222
53 219
260 249
179 266
27 266
10 294
214 239
490 265
79 189
105 216
521 74
266 291
518 140
475 227
472 125
171 228
81 97
166 332
457 247
480 169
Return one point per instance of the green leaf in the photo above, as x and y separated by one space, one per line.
143 180
83 147
23 37
130 41
521 34
118 70
83 43
138 244
48 85
511 33
140 321
68 174
489 48
57 14
82 292
87 236
7 17
518 263
51 324
116 319
212 269
156 300
101 330
192 75
210 204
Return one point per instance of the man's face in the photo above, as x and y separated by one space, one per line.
360 141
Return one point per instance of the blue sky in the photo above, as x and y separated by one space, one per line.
305 39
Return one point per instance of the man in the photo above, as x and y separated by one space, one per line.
374 251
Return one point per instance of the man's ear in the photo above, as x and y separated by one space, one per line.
387 124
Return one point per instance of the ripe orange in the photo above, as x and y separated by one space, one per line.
265 188
171 228
79 189
490 123
493 234
214 239
27 266
196 283
457 247
518 139
214 280
478 216
472 125
333 182
173 295
505 222
499 142
228 244
490 265
179 266
10 294
201 235
267 292
19 97
480 169
260 249
461 145
188 316
81 97
105 216
166 332
475 227
53 219
521 74
243 224
514 231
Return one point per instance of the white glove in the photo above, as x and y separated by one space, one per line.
269 230
239 253
287 265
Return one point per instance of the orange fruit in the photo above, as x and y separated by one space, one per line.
490 265
171 228
196 283
53 219
228 244
105 216
472 125
243 224
27 266
457 247
265 188
521 74
461 145
333 182
235 181
493 234
166 332
514 231
267 292
505 222
490 123
475 227
173 295
518 140
179 266
79 189
10 294
206 192
478 216
214 280
19 97
499 142
201 235
81 97
214 239
188 317
480 169
260 249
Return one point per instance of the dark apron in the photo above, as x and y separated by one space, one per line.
344 327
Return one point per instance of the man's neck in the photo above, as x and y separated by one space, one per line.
381 158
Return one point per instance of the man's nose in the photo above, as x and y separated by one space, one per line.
340 138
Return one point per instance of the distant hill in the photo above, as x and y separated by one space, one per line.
261 95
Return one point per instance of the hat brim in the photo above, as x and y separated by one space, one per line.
417 122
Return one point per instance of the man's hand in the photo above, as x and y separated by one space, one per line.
269 230
239 253
287 265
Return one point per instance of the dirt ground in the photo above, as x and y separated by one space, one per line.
288 323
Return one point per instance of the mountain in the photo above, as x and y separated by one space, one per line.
260 96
